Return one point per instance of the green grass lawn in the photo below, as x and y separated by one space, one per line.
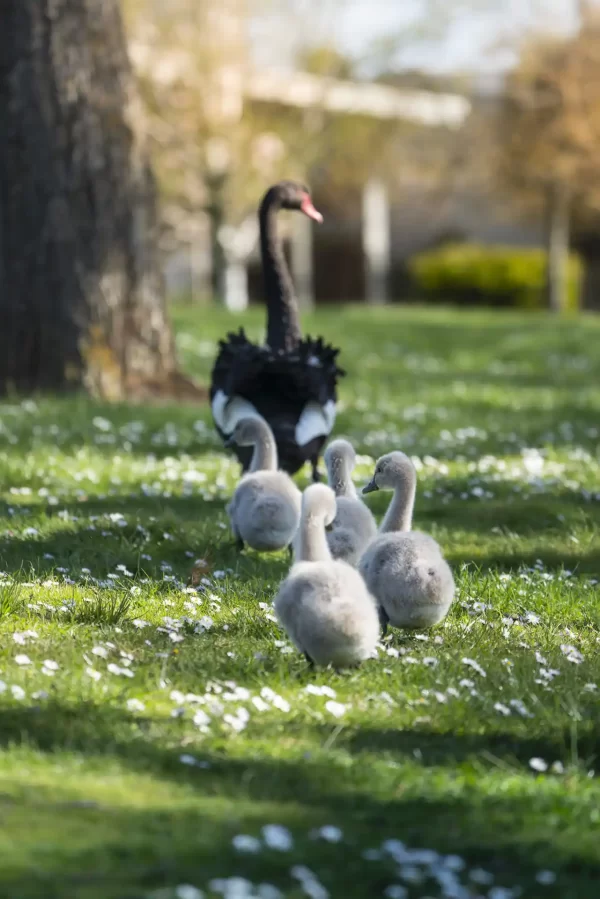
159 740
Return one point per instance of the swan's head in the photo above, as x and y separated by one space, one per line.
248 432
391 471
340 460
338 453
292 195
318 501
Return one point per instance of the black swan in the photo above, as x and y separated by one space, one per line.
290 381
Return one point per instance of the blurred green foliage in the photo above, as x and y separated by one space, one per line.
470 273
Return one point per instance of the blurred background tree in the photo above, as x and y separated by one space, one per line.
548 144
212 156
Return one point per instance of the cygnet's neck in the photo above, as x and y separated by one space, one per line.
312 545
400 511
264 457
339 475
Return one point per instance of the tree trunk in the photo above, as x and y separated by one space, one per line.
587 244
557 247
217 220
81 292
590 299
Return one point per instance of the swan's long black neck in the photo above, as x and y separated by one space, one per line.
283 323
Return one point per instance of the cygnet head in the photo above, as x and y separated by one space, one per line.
318 501
249 431
391 471
339 451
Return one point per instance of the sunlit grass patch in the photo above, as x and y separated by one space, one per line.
161 738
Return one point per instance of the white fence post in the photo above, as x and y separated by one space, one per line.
376 240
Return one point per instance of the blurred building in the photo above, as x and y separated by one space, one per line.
360 238
361 250
362 245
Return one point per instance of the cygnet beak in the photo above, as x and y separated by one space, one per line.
371 487
329 527
230 442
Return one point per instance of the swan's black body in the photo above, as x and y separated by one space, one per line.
290 381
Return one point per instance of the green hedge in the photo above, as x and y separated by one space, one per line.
489 275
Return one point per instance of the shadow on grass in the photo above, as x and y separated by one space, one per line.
502 748
583 564
102 731
195 527
117 850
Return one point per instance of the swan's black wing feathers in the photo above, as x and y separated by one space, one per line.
307 373
317 371
278 385
237 361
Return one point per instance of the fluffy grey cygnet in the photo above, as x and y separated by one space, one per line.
354 526
323 604
405 570
265 508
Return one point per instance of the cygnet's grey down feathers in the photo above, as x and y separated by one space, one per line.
323 604
328 613
265 510
404 569
351 531
354 525
410 578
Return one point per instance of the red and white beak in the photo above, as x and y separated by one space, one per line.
308 209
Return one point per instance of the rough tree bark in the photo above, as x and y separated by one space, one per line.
81 293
